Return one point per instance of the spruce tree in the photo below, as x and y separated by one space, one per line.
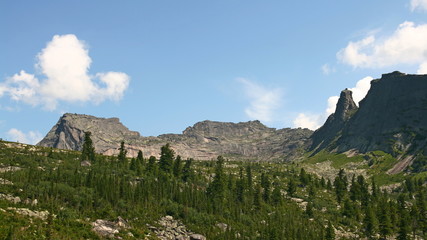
151 166
266 185
240 186
216 189
88 150
177 167
370 222
257 197
276 195
292 187
187 172
330 232
122 154
166 158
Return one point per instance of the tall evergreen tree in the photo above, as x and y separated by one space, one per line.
340 185
166 158
404 221
266 185
292 187
240 186
187 172
385 226
330 232
122 154
177 167
216 189
257 197
370 222
151 166
276 195
88 150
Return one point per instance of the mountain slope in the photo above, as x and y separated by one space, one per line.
205 140
391 118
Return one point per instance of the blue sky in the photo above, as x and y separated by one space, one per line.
161 66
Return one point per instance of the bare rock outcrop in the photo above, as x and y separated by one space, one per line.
204 141
391 118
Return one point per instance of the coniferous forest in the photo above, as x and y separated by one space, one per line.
219 199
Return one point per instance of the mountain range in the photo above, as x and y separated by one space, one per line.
391 118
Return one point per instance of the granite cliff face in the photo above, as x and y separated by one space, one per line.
205 140
392 118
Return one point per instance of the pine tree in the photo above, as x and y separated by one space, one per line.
257 197
177 167
266 185
340 185
303 176
330 232
140 164
309 209
133 164
240 187
249 178
122 154
151 166
370 222
88 150
166 158
292 187
187 172
385 227
276 195
403 232
216 188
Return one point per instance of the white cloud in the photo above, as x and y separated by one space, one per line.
332 104
30 138
64 68
407 45
313 121
263 101
419 4
422 68
326 69
307 120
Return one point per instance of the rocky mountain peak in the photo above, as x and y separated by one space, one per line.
391 118
224 129
345 106
68 133
204 140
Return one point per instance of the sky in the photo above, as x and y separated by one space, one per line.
161 66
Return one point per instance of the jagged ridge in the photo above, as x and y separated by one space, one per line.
392 118
205 140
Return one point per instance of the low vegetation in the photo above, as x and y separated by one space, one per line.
219 199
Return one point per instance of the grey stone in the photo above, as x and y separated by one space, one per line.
203 141
391 118
197 237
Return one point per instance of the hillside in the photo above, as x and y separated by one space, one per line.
205 140
49 193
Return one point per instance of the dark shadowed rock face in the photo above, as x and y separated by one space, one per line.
205 140
326 134
392 118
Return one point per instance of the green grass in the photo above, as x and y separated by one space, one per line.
338 159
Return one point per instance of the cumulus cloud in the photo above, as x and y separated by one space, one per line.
263 101
64 68
32 137
406 45
419 4
313 121
307 120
